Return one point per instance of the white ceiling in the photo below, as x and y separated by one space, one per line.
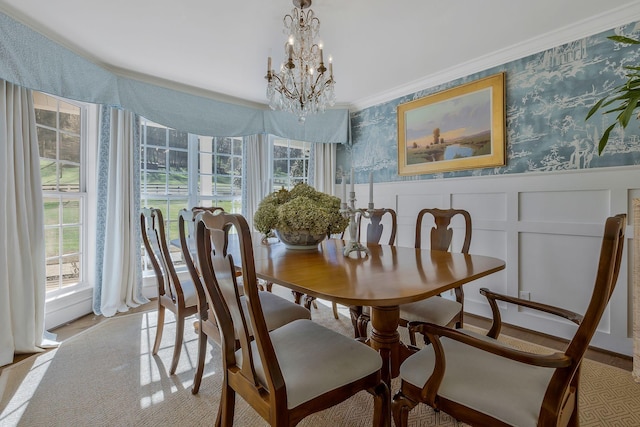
378 46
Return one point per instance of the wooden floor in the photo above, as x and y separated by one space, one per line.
624 362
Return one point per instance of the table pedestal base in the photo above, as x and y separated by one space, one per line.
385 338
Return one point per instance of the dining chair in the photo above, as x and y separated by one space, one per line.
437 309
179 296
277 310
480 381
185 218
288 373
375 230
186 231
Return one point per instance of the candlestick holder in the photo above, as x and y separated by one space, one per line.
350 211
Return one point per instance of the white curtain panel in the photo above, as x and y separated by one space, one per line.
323 168
118 269
256 174
22 250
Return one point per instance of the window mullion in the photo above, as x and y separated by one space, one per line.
192 165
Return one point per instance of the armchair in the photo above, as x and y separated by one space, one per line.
481 381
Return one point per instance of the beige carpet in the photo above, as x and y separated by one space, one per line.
107 376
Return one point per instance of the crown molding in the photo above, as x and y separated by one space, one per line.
587 27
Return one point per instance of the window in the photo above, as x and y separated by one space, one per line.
164 176
290 162
219 173
180 170
60 126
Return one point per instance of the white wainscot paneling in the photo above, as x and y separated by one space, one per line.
410 204
563 274
491 243
585 206
547 227
482 206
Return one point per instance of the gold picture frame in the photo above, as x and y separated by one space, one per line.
456 129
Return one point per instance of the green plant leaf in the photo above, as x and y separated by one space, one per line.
605 139
595 108
623 39
623 99
628 111
613 110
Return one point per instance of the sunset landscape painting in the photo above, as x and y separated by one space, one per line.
455 129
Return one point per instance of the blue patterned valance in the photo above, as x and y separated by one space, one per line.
29 59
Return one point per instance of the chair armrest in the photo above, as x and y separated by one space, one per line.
492 297
434 332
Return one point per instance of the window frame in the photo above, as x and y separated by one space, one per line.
171 202
290 143
81 196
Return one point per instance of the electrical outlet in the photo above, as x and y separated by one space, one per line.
525 295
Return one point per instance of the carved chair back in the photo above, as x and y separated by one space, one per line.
155 241
376 225
441 233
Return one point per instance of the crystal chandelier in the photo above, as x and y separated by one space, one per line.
302 86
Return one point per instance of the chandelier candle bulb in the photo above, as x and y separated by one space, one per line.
268 65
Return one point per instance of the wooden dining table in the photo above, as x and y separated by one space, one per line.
383 280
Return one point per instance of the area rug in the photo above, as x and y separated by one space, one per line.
106 376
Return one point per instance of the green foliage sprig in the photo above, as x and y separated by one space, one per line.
302 208
626 97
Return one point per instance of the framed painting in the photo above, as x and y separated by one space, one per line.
456 129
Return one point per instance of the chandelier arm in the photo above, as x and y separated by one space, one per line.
284 90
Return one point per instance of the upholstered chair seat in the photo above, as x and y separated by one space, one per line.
277 310
505 380
190 293
438 310
322 360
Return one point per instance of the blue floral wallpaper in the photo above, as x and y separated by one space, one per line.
548 96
